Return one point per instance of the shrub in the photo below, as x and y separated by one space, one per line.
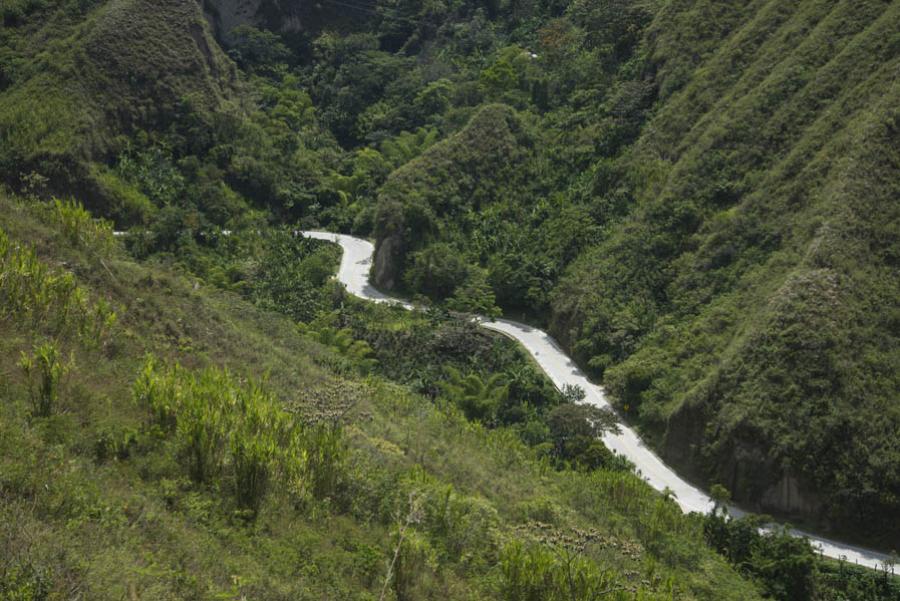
478 398
80 228
257 50
536 573
31 292
475 295
238 431
324 451
785 565
291 273
253 458
358 352
437 271
44 372
575 428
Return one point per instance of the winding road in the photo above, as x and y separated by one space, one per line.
354 274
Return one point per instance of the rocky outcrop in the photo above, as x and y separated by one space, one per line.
225 15
385 264
788 496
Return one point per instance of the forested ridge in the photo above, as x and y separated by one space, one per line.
697 198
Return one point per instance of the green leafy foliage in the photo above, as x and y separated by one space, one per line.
357 352
80 227
479 399
73 98
44 370
291 479
417 350
238 432
699 209
290 274
695 197
574 430
31 292
787 568
475 295
532 573
438 192
257 50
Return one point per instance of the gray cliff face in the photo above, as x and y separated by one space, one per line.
225 15
385 271
790 497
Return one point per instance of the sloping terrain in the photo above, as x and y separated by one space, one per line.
760 265
698 197
75 79
98 495
437 194
711 227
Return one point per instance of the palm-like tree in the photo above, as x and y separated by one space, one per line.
478 398
341 340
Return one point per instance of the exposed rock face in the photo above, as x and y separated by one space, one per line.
225 15
745 467
385 268
788 496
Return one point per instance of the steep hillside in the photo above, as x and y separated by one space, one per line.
288 475
436 195
697 197
710 228
296 18
135 107
75 78
753 288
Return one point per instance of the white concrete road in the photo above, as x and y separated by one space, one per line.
356 262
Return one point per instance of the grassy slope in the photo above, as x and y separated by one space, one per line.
133 527
764 241
82 79
441 192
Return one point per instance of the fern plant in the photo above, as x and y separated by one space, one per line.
358 352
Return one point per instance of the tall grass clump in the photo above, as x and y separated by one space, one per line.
533 572
53 303
44 370
238 433
79 227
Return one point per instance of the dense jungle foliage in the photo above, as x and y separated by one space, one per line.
697 198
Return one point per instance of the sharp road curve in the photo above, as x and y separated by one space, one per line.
354 274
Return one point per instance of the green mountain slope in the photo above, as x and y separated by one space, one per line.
760 264
433 196
710 226
77 78
123 483
697 197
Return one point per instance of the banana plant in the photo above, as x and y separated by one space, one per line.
359 352
478 398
